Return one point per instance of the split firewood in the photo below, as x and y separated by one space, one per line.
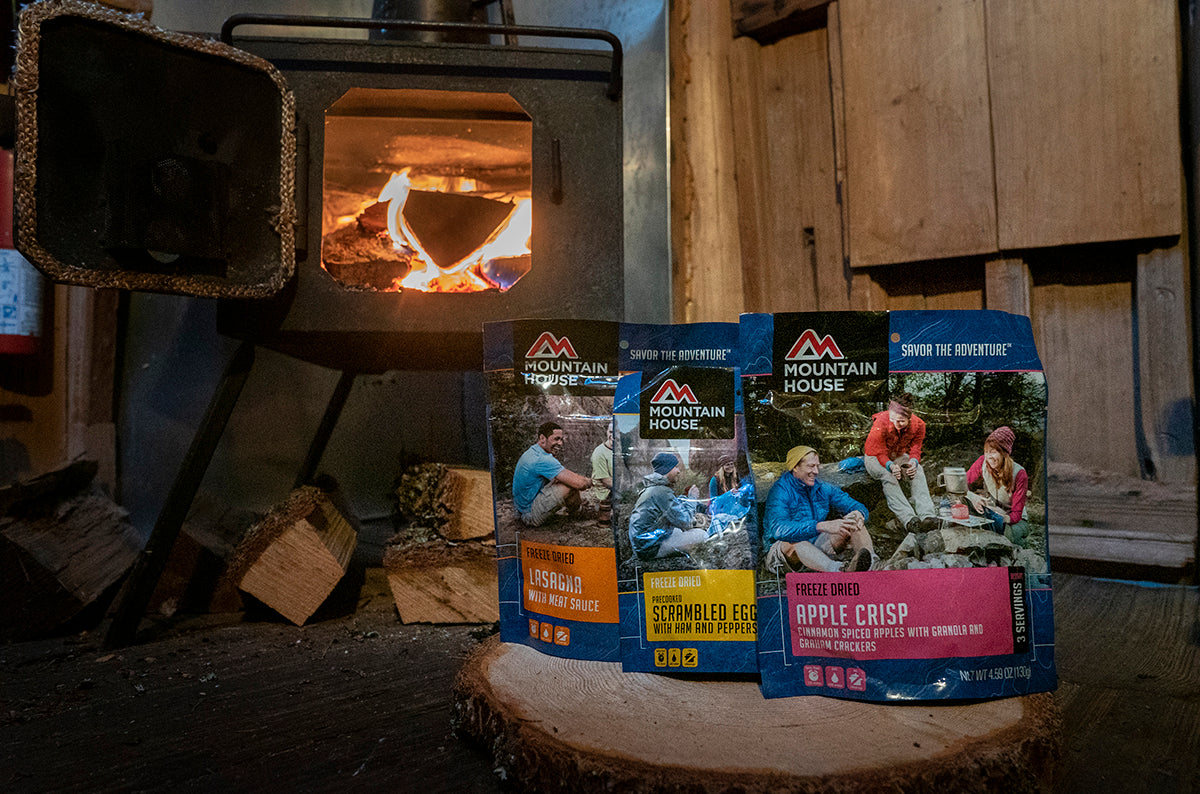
466 497
292 559
64 545
454 502
442 567
48 489
440 582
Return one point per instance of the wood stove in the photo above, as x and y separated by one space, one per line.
301 183
354 203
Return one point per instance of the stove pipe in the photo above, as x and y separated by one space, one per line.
430 11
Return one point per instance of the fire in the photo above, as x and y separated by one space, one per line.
490 266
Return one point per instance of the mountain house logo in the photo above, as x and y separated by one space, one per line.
547 345
675 409
553 361
671 393
809 348
817 365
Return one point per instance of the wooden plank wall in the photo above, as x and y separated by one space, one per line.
1084 332
1084 104
706 253
1161 294
790 220
1001 154
919 180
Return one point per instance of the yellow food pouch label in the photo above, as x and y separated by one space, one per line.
699 605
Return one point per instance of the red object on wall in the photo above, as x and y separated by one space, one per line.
21 284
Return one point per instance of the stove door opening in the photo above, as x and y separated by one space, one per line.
427 190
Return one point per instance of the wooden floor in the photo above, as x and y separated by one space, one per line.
1128 659
362 703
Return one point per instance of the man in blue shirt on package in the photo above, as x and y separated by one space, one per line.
541 484
798 531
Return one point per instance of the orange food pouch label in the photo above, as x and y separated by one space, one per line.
570 582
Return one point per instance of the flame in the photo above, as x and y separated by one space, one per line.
510 239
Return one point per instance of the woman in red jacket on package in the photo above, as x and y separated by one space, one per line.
1005 486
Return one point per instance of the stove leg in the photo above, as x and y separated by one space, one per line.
337 401
148 568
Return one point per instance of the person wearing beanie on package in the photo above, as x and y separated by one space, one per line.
661 522
1005 486
892 454
809 522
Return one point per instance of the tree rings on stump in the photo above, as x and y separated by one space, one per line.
566 725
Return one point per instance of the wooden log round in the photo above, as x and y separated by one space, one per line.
566 725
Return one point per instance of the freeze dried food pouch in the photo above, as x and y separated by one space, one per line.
550 389
683 518
900 465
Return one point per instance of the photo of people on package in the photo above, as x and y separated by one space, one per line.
924 478
552 470
809 522
1002 486
663 515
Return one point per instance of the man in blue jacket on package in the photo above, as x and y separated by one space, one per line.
799 531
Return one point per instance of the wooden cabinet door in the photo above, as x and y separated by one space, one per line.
976 126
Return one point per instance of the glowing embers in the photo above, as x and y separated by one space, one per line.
427 190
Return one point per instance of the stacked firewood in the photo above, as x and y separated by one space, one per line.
64 547
442 566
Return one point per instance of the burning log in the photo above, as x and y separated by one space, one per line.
430 240
63 545
364 259
450 226
292 559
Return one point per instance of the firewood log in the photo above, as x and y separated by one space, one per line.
63 545
439 582
454 502
292 559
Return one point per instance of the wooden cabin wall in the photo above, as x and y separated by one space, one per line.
706 262
1021 155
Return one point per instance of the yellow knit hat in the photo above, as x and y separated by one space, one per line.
797 454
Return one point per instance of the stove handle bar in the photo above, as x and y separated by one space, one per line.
614 83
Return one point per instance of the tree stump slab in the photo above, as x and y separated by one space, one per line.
567 725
